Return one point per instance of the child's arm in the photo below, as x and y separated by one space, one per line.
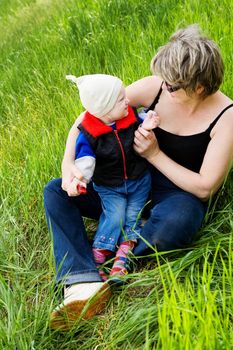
85 160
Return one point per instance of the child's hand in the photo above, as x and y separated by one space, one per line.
69 172
151 121
74 188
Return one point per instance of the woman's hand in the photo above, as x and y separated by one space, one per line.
145 143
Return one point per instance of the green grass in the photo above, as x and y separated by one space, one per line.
177 300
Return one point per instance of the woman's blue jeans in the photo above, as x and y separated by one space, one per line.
175 218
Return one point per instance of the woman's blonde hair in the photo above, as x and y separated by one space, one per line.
190 59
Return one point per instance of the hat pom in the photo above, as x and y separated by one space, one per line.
72 78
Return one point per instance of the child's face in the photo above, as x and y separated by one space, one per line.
120 109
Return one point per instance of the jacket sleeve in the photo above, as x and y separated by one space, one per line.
84 157
142 114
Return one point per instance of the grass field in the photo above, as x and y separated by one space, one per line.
180 300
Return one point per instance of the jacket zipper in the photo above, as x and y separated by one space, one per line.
123 154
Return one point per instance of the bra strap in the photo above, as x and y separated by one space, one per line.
156 100
218 117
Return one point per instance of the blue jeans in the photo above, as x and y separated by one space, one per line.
175 218
121 205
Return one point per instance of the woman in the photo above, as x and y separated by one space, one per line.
190 155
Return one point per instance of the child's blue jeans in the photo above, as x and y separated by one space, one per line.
121 205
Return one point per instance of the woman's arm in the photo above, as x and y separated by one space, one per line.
143 92
215 166
69 170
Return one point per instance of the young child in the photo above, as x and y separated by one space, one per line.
104 153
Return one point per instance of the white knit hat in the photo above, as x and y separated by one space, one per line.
98 92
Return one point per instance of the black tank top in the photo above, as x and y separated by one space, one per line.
188 151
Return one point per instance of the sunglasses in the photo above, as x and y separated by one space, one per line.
171 88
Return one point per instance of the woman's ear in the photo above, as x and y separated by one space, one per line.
199 89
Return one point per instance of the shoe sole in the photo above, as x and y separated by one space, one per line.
117 282
66 317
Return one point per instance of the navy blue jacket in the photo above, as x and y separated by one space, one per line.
116 160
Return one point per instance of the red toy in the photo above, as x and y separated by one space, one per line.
81 189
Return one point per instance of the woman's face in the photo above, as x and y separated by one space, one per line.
178 94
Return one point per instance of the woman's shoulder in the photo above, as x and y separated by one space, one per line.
224 98
225 104
224 117
142 92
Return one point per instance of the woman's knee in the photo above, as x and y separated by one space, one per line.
174 228
53 195
52 187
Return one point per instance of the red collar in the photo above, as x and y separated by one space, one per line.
96 127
